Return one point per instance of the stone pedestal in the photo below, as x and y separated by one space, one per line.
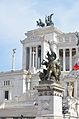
50 101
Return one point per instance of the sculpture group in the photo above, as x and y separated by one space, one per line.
48 21
53 68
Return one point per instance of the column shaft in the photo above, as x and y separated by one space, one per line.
30 57
36 55
29 85
64 62
23 59
33 57
70 59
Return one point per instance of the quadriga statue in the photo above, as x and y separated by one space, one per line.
48 21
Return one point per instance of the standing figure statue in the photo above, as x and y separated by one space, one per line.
53 68
48 20
77 35
40 23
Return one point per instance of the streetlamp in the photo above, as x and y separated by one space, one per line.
13 59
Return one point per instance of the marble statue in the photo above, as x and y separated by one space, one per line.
72 102
70 90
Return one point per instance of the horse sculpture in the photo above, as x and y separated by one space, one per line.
40 23
48 20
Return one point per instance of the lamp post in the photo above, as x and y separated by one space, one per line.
13 59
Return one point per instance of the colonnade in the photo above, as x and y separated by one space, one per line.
33 60
64 59
70 62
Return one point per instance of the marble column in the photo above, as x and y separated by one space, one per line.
33 57
30 57
70 59
64 62
36 55
24 83
24 58
29 86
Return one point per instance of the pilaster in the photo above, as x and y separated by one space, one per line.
64 58
36 55
29 86
24 58
30 57
70 59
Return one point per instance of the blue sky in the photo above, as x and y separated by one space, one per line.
19 16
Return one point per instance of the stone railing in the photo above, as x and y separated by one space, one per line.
27 99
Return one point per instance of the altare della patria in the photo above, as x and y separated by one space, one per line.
47 86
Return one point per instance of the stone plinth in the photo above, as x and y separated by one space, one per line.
50 101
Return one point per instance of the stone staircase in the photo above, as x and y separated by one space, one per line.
27 99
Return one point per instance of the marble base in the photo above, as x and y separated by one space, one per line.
49 101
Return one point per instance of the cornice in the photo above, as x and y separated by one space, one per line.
13 73
43 31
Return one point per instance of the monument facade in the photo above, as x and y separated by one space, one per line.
25 91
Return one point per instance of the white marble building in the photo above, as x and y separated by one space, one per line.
15 86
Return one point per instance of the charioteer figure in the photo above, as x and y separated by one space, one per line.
48 21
